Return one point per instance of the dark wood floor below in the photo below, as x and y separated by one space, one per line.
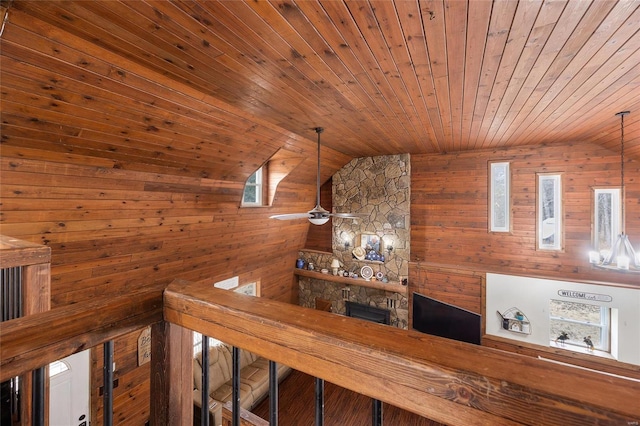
342 407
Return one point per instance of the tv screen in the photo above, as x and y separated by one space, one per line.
437 318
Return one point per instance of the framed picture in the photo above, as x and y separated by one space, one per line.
371 242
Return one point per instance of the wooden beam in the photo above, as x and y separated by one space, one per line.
171 375
30 342
17 252
447 381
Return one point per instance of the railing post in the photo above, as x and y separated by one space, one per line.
319 402
37 394
273 393
107 396
204 409
376 412
236 386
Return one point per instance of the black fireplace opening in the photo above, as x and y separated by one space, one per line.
369 313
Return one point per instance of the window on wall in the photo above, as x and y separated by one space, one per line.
579 324
499 197
253 194
607 218
549 212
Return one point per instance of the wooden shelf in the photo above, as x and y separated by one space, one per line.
393 286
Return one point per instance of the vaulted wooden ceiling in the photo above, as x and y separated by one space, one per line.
382 77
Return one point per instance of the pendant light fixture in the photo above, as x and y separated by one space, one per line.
622 255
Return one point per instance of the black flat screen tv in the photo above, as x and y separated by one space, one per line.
437 318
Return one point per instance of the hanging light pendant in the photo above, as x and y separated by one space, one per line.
622 255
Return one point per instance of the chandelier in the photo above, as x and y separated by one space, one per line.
622 256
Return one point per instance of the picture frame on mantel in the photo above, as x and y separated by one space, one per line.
371 242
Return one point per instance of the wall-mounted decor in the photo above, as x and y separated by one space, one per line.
514 320
144 346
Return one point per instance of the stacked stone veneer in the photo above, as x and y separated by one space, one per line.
377 188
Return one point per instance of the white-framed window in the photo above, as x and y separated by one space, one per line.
253 194
499 197
58 367
607 218
579 324
549 212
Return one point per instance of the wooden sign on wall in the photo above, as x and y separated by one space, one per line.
144 346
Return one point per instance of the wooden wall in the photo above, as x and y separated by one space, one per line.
320 237
451 249
159 201
449 211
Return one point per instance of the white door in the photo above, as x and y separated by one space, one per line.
69 391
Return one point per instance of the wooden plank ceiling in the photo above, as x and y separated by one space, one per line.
420 76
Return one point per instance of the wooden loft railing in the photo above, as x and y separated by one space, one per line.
447 381
25 293
36 340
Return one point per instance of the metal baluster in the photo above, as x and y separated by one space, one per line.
204 410
107 396
319 402
376 412
273 393
236 387
37 398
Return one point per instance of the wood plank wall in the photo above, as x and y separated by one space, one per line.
449 210
158 203
451 249
320 237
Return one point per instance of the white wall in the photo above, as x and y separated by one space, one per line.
532 295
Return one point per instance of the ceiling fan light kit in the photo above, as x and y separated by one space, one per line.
317 215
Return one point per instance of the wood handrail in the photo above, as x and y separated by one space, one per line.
35 340
447 381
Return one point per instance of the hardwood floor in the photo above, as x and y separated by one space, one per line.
342 407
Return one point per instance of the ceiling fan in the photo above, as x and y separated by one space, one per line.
317 215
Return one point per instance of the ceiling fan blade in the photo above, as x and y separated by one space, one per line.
348 215
290 216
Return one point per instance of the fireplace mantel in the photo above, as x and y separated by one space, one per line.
392 286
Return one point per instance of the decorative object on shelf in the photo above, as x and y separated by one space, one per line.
300 263
359 253
324 271
335 265
310 266
379 275
366 272
373 247
562 337
515 321
622 255
317 215
587 340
